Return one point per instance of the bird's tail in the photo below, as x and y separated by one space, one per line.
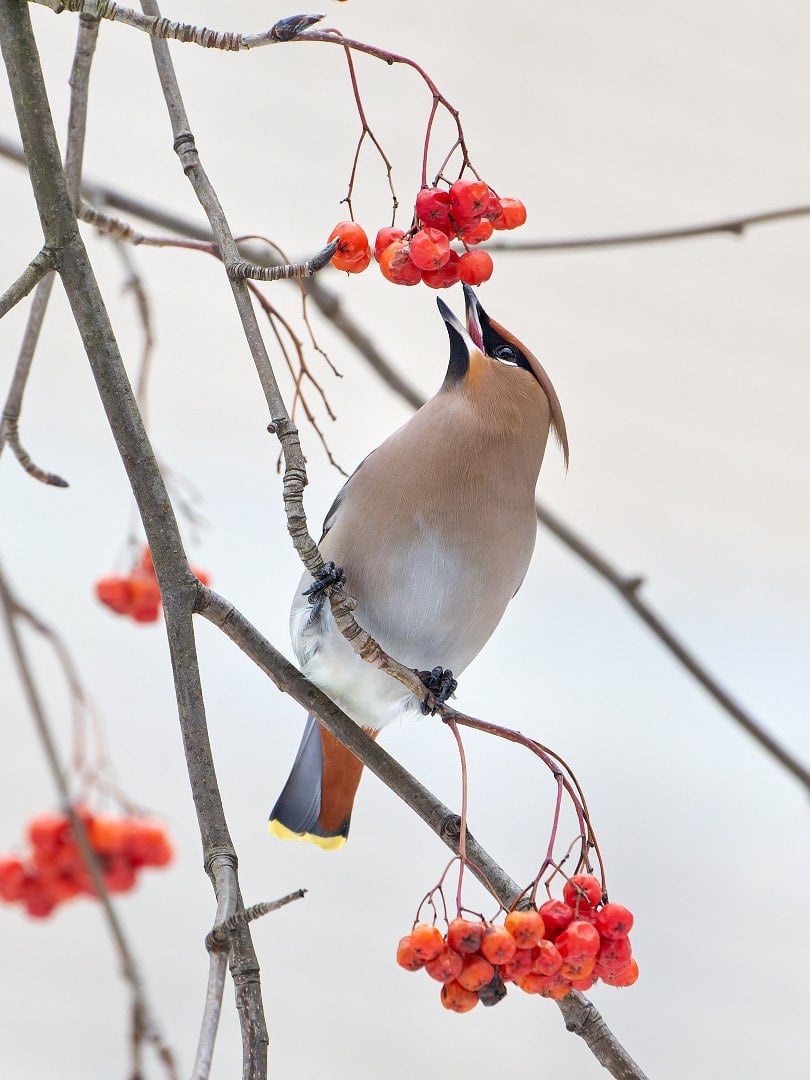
316 803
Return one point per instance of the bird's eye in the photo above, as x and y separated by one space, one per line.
506 354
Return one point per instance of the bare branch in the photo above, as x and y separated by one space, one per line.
240 270
43 262
734 226
220 937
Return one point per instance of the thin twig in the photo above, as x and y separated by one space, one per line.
41 264
220 936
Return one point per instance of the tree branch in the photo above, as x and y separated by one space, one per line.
41 264
177 582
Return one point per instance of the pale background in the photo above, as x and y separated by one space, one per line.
683 371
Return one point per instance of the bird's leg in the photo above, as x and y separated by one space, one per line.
326 579
440 685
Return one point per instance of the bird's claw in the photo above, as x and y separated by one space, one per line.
440 685
326 579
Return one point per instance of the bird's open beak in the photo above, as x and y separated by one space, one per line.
474 310
471 335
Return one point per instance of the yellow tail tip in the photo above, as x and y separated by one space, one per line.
326 843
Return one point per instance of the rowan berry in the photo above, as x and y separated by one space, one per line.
526 927
429 249
352 247
578 940
556 916
12 878
512 216
475 267
546 959
397 266
520 964
407 956
465 936
583 890
385 237
433 206
457 999
614 921
498 945
476 972
445 276
446 966
468 201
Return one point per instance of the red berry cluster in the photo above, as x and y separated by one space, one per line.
469 212
54 870
137 594
563 945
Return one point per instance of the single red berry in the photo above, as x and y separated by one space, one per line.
427 941
513 215
498 945
532 983
433 206
37 896
614 921
385 237
47 831
520 964
12 878
584 985
556 916
614 955
526 927
494 209
397 266
446 966
546 959
578 940
468 201
583 890
457 999
475 267
430 249
445 276
352 247
624 977
476 972
114 593
119 876
108 834
146 843
465 936
477 232
558 989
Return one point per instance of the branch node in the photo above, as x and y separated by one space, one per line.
219 939
288 29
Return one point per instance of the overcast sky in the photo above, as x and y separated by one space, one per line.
683 373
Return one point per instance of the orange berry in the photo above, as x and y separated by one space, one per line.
546 959
526 927
476 972
558 989
498 945
465 936
427 941
385 237
397 266
583 984
532 983
477 232
446 966
457 999
406 955
108 834
583 890
12 878
580 967
626 977
146 843
513 215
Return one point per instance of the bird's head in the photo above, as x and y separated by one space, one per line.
497 373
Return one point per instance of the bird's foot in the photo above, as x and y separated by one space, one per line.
440 685
326 579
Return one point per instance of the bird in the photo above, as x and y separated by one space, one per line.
432 534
